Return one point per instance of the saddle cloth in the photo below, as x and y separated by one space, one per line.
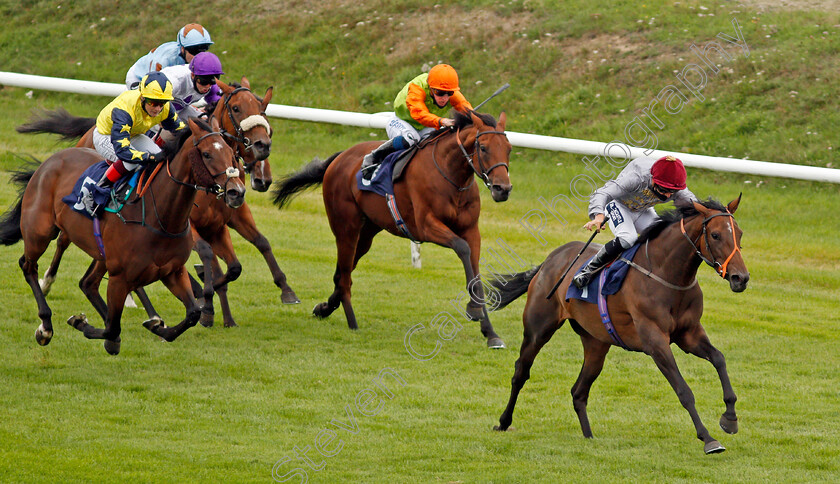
87 184
615 274
389 171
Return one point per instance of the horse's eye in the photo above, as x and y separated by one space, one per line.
235 109
715 236
205 155
483 149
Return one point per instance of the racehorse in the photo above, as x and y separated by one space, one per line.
152 245
241 115
659 303
436 195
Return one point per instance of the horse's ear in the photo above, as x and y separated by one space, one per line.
733 205
244 82
194 127
502 120
214 124
224 87
267 98
476 121
701 209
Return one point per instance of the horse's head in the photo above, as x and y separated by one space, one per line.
242 116
721 247
213 165
491 150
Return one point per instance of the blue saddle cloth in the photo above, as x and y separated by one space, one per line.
616 272
381 182
87 184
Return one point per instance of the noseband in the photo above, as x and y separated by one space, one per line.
714 264
249 122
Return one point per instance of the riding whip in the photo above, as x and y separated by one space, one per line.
498 91
557 284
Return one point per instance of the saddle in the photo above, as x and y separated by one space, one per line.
113 198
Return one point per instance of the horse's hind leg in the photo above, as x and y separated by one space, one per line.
221 290
697 343
62 243
347 238
205 253
29 266
540 325
243 222
657 345
594 354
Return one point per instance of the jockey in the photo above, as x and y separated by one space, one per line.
629 201
192 39
194 82
418 111
119 135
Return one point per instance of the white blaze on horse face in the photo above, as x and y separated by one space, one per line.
217 146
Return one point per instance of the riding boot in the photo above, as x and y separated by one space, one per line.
88 200
375 157
607 254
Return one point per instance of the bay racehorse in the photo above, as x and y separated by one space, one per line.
152 244
241 115
436 196
659 303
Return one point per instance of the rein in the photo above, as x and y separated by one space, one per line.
714 264
215 189
483 174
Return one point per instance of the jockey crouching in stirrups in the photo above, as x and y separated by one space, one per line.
628 201
120 132
193 83
418 111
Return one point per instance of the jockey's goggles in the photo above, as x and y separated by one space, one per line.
158 103
206 80
197 49
438 92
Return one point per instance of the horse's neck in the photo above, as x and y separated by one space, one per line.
173 201
675 257
452 160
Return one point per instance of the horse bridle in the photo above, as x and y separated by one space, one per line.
483 174
713 263
240 137
215 189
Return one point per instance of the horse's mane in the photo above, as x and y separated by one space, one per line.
173 146
683 210
463 120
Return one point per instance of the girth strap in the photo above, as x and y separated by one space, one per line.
605 314
395 213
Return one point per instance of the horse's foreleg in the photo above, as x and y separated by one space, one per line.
89 284
221 290
61 245
476 308
29 266
594 354
657 345
205 253
243 222
151 312
116 299
539 328
178 282
697 343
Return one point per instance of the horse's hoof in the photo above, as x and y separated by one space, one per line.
206 320
43 337
713 447
112 347
729 426
320 310
496 344
231 324
498 428
289 297
77 321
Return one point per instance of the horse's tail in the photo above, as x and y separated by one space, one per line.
10 221
60 122
294 183
508 287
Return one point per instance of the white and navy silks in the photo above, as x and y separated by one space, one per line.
628 201
183 89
